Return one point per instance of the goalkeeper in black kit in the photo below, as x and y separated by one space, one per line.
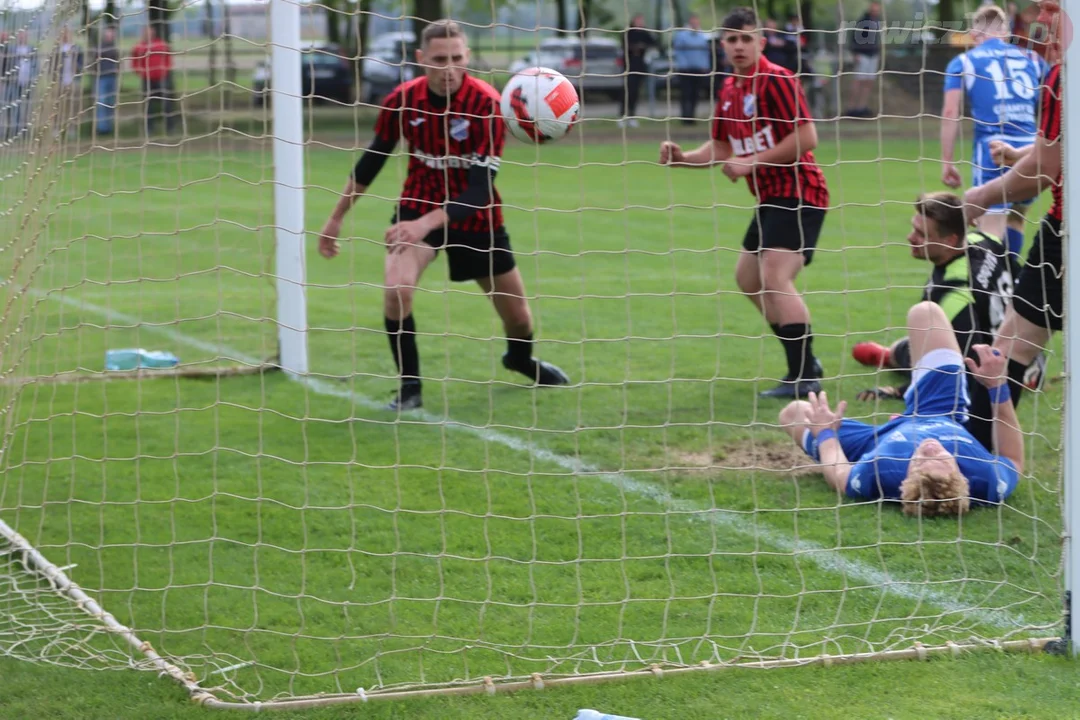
972 282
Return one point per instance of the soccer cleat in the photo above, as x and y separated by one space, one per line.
872 355
542 373
885 392
407 398
791 388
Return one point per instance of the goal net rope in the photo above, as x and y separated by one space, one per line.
278 537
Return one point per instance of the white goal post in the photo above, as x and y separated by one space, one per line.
279 540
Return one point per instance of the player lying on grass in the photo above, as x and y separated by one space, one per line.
925 457
1036 311
455 133
972 282
764 132
999 83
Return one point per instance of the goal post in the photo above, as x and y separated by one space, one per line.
283 540
289 197
1070 120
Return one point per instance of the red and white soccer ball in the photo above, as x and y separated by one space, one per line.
539 105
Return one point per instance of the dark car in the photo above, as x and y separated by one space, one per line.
326 75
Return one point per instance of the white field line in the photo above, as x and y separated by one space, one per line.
825 558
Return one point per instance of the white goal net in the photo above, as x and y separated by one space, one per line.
270 536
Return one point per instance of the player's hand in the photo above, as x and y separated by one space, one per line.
1003 154
885 392
974 207
671 153
328 238
989 371
821 417
736 168
403 234
951 176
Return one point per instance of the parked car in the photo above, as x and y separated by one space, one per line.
389 61
595 65
326 74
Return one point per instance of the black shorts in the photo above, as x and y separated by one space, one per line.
785 224
1037 295
470 256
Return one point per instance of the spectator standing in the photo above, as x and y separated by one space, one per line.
777 48
636 44
24 69
69 62
866 49
106 75
152 62
693 63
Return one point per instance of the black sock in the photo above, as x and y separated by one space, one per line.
402 336
1016 381
519 350
799 348
775 329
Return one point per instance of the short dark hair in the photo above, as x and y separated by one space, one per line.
740 18
945 209
441 30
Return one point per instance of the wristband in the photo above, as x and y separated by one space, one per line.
826 434
1000 394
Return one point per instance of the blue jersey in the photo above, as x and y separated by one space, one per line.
880 471
1001 84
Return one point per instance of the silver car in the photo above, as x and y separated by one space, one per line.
595 65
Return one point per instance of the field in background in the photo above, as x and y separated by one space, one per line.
301 527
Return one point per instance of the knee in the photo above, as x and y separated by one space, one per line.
795 413
397 297
927 316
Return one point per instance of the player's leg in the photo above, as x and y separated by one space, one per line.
402 271
939 384
789 236
1015 225
994 223
1036 309
507 292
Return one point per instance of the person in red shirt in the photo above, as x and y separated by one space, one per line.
151 59
763 131
1036 311
455 133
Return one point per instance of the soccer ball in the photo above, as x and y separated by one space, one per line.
539 105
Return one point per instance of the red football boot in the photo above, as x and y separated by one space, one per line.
871 354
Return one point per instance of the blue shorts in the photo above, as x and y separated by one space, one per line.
938 389
983 169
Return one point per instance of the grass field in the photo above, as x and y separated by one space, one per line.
650 513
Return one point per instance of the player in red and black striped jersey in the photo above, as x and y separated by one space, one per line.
455 135
1036 310
763 131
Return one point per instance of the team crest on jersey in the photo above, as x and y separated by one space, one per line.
748 105
459 128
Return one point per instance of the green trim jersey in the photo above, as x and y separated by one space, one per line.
974 288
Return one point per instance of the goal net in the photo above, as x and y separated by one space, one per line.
276 536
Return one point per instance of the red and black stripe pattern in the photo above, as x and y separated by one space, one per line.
1050 127
756 113
444 142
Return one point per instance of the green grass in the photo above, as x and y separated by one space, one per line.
298 527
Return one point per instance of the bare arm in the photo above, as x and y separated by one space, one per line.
352 192
990 372
950 124
834 464
790 149
710 153
1031 174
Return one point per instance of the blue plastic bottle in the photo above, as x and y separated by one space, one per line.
133 359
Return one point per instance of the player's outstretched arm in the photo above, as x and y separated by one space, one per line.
824 424
990 371
1032 173
708 154
365 172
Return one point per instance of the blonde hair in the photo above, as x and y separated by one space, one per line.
986 17
929 495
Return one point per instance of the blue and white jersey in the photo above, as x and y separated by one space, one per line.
1001 83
